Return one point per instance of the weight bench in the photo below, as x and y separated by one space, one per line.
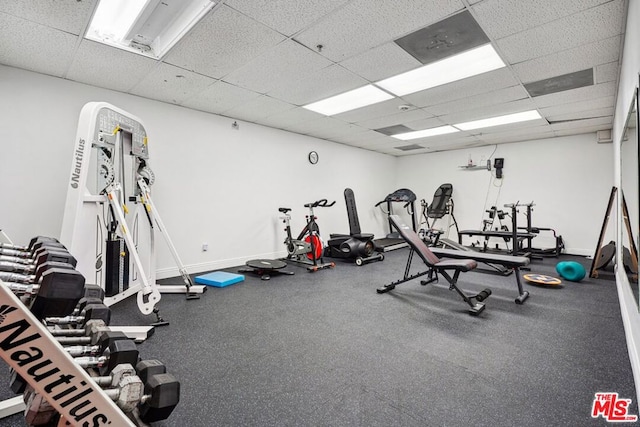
508 261
450 269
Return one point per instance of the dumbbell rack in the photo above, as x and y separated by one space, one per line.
27 346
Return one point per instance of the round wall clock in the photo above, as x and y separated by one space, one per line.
313 157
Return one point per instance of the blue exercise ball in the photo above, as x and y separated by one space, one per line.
571 270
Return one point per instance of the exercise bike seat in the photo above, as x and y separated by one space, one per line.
284 210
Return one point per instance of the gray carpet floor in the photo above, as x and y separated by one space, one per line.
324 349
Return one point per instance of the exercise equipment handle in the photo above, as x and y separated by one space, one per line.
322 203
379 203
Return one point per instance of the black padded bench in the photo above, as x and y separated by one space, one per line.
450 269
508 261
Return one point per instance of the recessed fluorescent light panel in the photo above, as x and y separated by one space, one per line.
442 130
500 120
347 101
467 64
145 27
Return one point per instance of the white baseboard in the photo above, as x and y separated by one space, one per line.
165 273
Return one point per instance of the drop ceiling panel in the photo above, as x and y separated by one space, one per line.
499 96
325 128
220 97
600 22
223 41
582 130
70 16
399 118
578 58
489 111
318 85
577 124
361 25
286 61
501 18
421 124
365 138
471 86
381 109
531 131
258 108
581 115
171 84
100 65
576 107
381 62
295 115
607 72
284 16
575 95
28 45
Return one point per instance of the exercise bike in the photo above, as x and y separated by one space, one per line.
308 247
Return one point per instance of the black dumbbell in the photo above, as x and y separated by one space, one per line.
34 244
56 294
118 352
161 396
96 311
17 383
34 278
29 265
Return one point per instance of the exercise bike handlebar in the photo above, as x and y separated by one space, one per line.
322 203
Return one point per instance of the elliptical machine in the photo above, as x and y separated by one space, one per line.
355 245
308 247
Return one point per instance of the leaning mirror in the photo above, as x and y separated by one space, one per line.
630 185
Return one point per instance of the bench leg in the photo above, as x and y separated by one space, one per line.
522 294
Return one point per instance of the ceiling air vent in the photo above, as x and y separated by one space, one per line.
394 130
409 147
448 37
560 83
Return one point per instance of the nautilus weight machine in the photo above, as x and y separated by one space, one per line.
110 220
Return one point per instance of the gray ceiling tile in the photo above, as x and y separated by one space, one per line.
597 23
358 26
501 18
577 124
224 40
381 109
461 89
394 119
581 115
171 84
499 96
321 84
581 94
577 107
579 58
70 16
381 62
607 72
30 46
104 66
489 111
285 62
286 17
220 97
258 108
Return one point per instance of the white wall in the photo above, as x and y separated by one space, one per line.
213 183
569 179
626 87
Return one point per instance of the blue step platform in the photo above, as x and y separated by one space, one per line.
219 279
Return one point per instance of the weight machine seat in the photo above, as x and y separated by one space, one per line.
429 258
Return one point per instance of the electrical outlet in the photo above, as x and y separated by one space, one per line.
205 247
